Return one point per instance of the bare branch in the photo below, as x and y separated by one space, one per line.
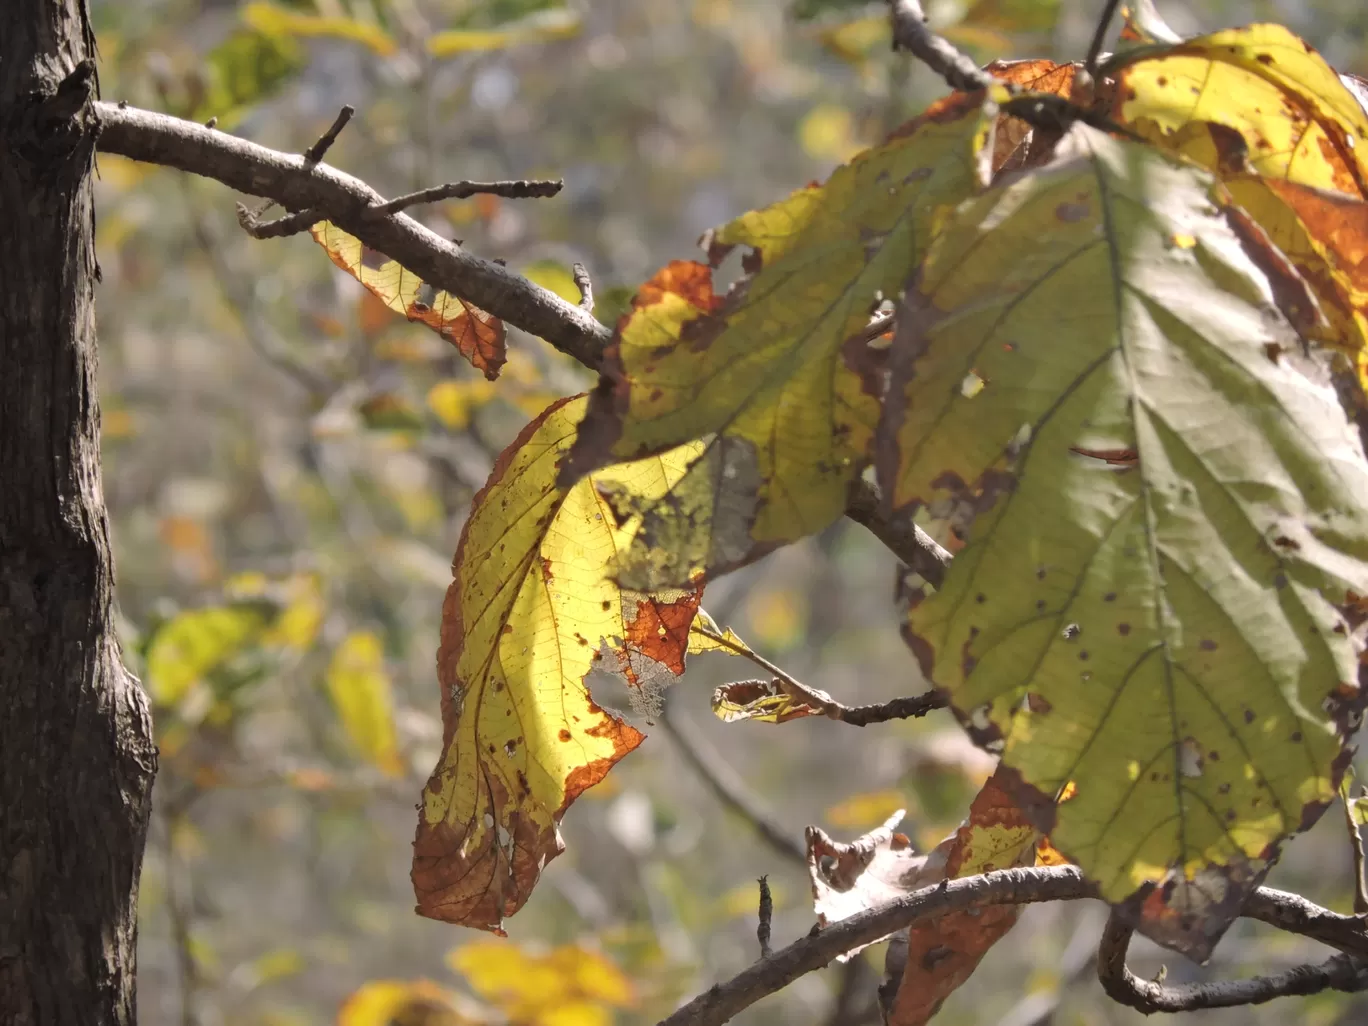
1356 843
1005 887
910 33
297 185
1340 972
316 191
1295 914
1100 37
728 786
585 286
319 150
281 227
905 708
525 188
913 546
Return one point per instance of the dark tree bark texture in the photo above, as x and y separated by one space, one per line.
76 752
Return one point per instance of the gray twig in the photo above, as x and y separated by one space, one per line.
1356 841
911 34
1340 972
319 150
585 286
819 948
525 188
1100 37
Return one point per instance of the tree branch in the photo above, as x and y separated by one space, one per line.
314 191
298 185
1340 972
911 33
1005 887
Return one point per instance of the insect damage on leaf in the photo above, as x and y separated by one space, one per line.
479 336
1170 633
528 615
778 377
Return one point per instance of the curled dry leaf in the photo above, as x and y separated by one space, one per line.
935 959
529 614
1213 571
849 877
778 376
478 335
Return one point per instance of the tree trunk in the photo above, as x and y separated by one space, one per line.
76 752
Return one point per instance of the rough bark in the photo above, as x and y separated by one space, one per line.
76 753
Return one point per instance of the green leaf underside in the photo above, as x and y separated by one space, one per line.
1166 515
777 374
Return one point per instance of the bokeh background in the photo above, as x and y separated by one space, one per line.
288 466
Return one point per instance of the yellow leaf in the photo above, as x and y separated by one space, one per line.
477 335
563 987
778 617
360 689
555 277
454 401
400 1003
277 964
523 623
779 371
298 624
827 133
1297 119
539 27
273 20
190 645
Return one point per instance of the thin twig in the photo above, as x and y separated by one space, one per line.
1295 914
319 150
914 546
728 786
911 34
526 188
1100 37
1356 840
819 948
902 708
585 285
281 227
762 931
1340 972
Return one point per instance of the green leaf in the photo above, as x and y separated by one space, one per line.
1166 514
779 375
242 71
360 688
185 649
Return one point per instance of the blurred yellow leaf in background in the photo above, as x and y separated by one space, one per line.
360 689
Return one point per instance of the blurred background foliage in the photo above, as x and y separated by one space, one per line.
288 465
